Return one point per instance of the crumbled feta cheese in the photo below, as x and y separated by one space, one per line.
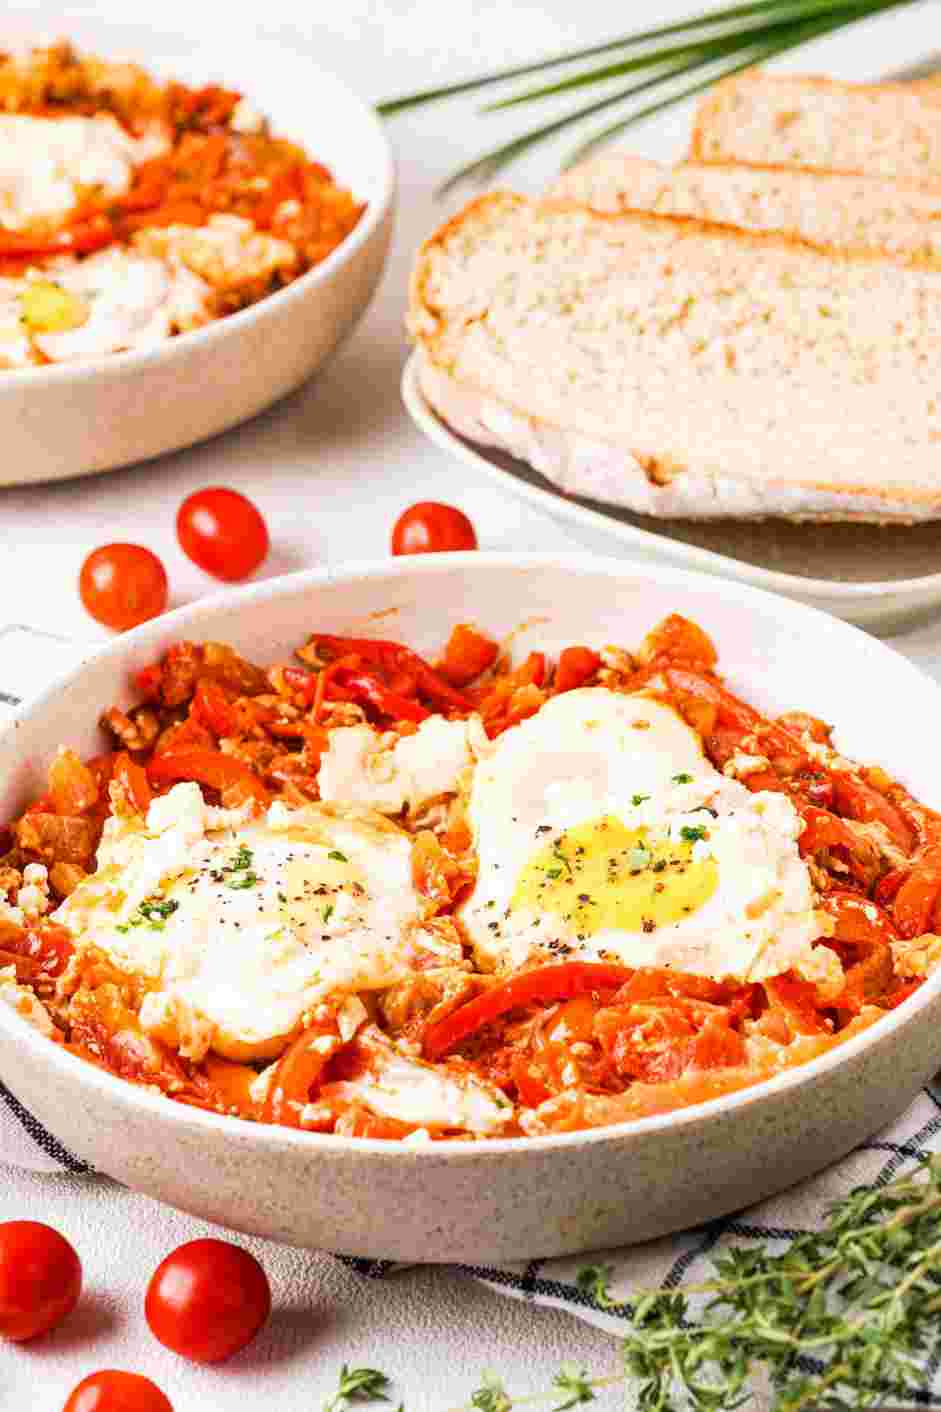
350 1016
11 914
360 766
741 765
246 118
410 1091
260 1087
419 1138
33 897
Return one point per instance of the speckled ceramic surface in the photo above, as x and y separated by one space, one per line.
501 1199
76 418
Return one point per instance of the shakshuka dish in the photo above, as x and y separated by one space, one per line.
132 210
367 894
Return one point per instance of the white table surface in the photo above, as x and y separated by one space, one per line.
331 468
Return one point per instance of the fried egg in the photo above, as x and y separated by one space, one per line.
107 303
239 926
603 832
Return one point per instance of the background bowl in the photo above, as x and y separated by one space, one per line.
70 419
499 1199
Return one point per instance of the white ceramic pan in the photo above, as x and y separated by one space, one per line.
499 1199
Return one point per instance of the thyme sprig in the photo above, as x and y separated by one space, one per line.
845 1317
725 40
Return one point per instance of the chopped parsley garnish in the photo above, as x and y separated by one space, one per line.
238 874
639 799
682 779
327 912
693 833
152 912
241 881
553 873
337 856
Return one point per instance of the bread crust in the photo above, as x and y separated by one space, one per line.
610 470
907 234
714 100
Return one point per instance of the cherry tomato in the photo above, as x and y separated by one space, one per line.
207 1300
432 528
222 532
113 1391
122 585
40 1279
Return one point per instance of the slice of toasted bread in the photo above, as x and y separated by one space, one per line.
883 129
684 369
830 209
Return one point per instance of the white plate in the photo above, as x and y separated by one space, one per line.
876 576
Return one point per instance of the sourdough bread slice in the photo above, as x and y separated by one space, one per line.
683 369
886 130
837 209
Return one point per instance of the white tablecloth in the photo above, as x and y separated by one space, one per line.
331 467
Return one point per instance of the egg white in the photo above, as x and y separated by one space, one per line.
241 925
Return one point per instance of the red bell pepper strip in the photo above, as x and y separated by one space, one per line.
212 708
823 830
798 1000
859 922
349 684
148 681
468 655
43 951
301 1067
576 666
855 799
775 739
302 682
393 658
209 767
887 888
917 898
133 779
545 984
79 239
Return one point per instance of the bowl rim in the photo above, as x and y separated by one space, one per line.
132 360
647 538
276 1138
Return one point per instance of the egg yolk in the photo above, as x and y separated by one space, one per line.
48 308
603 876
